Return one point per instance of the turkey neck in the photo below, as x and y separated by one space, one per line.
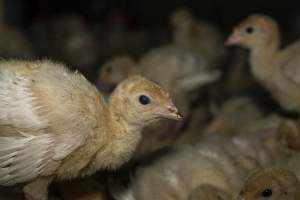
263 61
118 140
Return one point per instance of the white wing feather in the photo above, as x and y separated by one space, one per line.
23 158
35 134
16 106
23 154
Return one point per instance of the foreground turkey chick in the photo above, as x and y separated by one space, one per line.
121 67
55 125
271 184
180 70
277 69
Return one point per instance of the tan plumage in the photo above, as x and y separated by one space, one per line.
208 192
173 177
220 163
54 124
271 183
277 69
234 116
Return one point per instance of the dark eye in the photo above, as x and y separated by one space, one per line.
144 100
249 29
267 193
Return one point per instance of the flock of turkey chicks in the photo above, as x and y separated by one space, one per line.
232 142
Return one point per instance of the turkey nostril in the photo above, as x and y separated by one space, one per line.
173 110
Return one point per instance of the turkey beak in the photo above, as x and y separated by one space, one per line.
233 39
174 113
170 112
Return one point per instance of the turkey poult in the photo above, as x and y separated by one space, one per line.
55 125
271 184
275 68
202 37
220 163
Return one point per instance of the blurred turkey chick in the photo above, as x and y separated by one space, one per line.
72 41
270 183
230 119
274 67
202 37
220 162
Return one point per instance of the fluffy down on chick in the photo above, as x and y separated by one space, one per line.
275 68
221 163
55 125
270 183
181 71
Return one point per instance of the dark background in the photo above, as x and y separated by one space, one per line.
151 18
151 13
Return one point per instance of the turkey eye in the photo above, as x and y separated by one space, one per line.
267 193
249 29
144 100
